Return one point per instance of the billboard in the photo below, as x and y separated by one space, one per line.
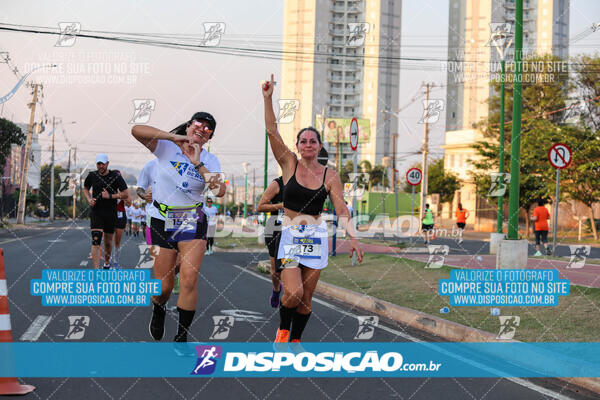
341 126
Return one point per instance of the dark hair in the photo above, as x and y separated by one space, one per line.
310 128
460 206
199 116
426 205
541 202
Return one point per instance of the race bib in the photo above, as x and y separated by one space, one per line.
306 247
181 221
119 214
280 217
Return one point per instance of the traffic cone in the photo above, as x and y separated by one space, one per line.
7 385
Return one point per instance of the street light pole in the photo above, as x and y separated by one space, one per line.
52 172
245 165
515 156
501 40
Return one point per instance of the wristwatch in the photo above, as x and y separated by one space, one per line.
200 165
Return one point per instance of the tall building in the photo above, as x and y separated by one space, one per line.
472 61
341 58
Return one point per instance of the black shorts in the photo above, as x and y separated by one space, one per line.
272 243
104 220
121 223
164 239
541 235
427 227
461 225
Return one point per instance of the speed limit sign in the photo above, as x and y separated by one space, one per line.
414 176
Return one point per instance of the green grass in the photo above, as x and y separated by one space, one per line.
230 242
407 283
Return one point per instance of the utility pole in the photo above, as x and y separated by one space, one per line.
394 138
23 186
52 172
424 183
75 192
254 189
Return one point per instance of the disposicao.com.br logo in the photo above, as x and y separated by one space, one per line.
369 361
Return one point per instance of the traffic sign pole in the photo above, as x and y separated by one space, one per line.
560 157
354 146
413 177
412 213
555 213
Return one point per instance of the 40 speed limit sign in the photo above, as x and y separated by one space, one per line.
414 176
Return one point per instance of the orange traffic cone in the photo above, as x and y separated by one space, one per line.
7 385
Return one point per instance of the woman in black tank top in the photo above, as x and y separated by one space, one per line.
307 184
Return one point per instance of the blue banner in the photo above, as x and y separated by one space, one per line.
222 359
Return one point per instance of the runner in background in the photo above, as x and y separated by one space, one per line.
211 214
119 227
102 188
128 208
272 202
540 229
427 225
136 218
461 220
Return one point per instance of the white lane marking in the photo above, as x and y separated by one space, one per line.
4 322
56 240
3 288
519 381
83 263
36 328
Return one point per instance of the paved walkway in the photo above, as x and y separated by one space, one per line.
588 275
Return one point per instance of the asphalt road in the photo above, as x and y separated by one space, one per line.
227 286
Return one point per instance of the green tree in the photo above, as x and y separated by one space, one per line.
545 88
10 134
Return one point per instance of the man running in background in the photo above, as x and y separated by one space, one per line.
106 188
540 229
211 214
427 226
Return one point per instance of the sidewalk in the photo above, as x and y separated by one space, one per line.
588 275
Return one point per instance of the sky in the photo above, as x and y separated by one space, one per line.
96 81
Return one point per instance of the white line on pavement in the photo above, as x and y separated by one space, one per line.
519 381
83 263
36 328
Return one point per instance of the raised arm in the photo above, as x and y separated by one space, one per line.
263 204
149 136
285 158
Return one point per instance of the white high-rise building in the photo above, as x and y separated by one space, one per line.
471 63
341 57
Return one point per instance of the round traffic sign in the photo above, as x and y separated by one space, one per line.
559 155
354 134
414 176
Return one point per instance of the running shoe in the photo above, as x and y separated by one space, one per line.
274 300
181 337
281 340
176 285
537 254
157 323
296 347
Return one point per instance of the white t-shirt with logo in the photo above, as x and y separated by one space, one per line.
211 214
128 211
147 179
136 215
178 183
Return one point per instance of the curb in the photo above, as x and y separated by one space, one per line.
448 330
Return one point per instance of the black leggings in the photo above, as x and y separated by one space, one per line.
209 242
